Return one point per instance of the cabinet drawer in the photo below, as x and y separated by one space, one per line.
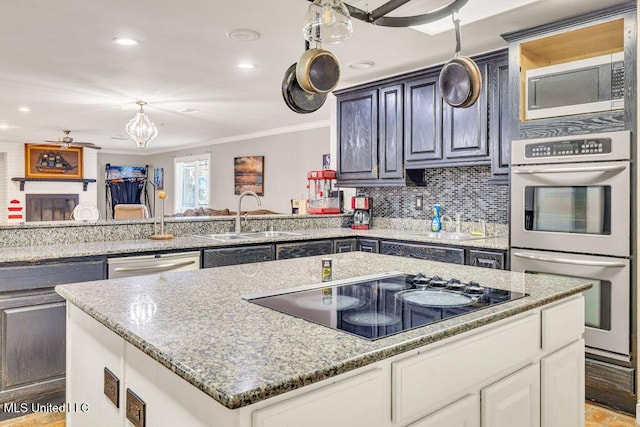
298 250
430 380
26 277
429 252
356 401
368 245
562 324
237 255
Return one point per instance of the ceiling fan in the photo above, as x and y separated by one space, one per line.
66 141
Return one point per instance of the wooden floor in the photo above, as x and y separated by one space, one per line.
595 416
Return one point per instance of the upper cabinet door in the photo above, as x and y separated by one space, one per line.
358 135
423 119
465 129
499 118
391 148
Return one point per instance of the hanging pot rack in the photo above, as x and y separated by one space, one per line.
377 16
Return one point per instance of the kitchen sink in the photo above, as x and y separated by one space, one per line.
222 236
447 235
263 234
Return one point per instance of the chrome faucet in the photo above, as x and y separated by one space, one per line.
245 193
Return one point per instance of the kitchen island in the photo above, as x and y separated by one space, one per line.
197 354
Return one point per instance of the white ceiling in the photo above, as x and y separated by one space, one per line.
58 59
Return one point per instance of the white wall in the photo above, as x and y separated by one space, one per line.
288 158
13 166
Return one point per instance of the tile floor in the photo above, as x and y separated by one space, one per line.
595 416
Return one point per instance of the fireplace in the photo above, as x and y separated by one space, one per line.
50 207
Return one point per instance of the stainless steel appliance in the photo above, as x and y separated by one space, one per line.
576 87
380 305
152 264
570 216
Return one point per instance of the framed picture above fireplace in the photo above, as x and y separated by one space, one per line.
52 161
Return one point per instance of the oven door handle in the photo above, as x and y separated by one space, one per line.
603 169
571 261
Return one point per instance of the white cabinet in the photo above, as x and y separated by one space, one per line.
356 401
463 413
513 401
562 379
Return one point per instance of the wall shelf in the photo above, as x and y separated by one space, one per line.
84 182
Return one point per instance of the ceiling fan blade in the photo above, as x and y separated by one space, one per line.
87 145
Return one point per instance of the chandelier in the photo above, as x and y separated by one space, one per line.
140 129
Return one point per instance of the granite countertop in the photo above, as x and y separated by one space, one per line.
52 252
240 353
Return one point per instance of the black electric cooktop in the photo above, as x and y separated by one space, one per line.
377 306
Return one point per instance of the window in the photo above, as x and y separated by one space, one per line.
191 182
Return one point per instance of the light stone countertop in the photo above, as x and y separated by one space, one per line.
108 248
240 353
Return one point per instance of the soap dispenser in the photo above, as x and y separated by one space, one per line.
436 221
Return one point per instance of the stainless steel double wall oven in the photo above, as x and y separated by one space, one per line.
571 216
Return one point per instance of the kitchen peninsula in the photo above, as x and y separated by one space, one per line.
188 346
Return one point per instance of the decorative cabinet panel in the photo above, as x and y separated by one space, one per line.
463 413
422 251
303 249
368 245
344 245
499 120
487 259
237 255
390 133
39 276
423 120
33 340
358 135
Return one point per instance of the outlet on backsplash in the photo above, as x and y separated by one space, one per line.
418 203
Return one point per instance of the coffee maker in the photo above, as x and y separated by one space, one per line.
362 211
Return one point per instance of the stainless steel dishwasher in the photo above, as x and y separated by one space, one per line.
152 264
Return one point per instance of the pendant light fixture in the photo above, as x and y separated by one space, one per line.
140 129
327 21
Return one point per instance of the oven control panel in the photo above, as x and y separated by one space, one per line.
577 147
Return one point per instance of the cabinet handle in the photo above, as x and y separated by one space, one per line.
136 409
604 264
490 263
155 267
564 170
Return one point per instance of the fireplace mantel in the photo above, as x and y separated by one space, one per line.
84 182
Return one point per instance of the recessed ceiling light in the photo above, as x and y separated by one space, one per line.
24 109
362 65
243 35
125 41
247 66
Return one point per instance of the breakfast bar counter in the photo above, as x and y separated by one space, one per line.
241 355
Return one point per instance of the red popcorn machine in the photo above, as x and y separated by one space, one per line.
322 197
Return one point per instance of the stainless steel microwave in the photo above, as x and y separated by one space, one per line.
577 87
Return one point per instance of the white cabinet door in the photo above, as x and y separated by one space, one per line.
357 401
463 413
563 387
513 401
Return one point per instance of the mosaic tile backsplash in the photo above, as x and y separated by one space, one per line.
465 190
